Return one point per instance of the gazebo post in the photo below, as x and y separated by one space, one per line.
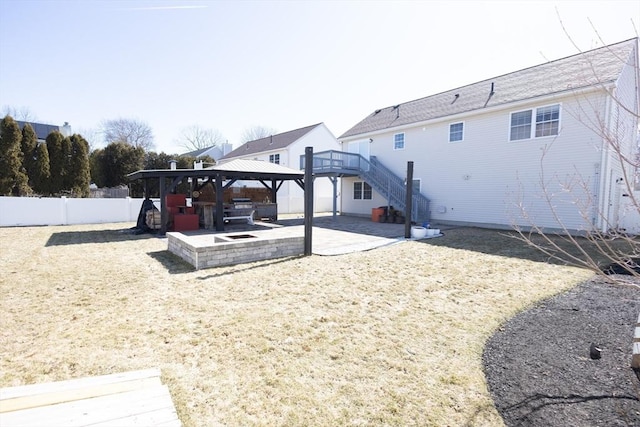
164 216
219 203
274 195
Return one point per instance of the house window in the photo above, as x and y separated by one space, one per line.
366 191
361 191
416 185
547 123
547 120
521 125
456 132
398 141
274 158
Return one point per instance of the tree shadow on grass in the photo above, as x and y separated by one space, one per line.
64 238
173 263
509 244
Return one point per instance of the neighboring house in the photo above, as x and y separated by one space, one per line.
43 130
215 152
530 147
285 149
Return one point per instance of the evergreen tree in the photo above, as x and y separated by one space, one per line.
79 171
29 145
155 160
12 178
57 162
119 159
40 176
95 162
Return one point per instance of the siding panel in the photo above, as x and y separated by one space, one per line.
486 179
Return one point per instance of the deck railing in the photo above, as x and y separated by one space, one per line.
378 176
337 162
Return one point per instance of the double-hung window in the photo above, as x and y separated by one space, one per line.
456 132
543 121
361 191
547 121
274 158
398 141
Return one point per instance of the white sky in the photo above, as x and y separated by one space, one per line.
285 65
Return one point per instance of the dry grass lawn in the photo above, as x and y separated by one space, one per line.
392 336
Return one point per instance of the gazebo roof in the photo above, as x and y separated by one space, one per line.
235 169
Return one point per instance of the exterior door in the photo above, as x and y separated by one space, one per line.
630 212
361 148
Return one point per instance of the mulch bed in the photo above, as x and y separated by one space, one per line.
539 366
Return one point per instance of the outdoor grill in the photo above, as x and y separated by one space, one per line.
242 203
261 210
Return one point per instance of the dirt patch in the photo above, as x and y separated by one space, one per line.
539 367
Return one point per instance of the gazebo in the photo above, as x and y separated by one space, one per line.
222 176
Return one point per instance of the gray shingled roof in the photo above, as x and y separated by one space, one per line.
602 65
42 130
269 143
197 153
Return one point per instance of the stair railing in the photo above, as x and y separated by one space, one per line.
378 176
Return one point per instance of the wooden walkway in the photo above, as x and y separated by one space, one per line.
135 398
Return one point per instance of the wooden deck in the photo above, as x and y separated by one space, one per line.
135 398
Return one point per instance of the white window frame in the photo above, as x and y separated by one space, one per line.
543 122
395 142
461 132
274 158
533 122
511 126
364 189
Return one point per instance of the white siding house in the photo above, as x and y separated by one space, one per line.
285 149
215 152
42 130
533 147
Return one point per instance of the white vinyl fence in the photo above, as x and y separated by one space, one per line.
21 211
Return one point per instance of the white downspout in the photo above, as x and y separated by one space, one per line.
604 207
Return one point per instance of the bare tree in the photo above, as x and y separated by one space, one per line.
24 114
93 136
604 248
134 132
256 132
195 137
